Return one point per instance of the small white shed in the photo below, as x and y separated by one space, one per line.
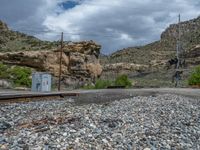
41 82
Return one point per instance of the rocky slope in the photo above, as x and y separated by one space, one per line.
79 61
16 41
162 50
156 55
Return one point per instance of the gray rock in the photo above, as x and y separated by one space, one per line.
159 122
4 125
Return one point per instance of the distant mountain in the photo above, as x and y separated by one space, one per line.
16 41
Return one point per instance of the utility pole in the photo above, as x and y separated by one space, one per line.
178 42
60 61
178 52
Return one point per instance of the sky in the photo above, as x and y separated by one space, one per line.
115 24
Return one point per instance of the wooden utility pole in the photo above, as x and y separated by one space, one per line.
178 52
178 42
60 62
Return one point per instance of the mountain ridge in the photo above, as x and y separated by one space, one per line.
12 41
163 49
153 59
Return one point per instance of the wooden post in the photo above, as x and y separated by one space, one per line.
60 62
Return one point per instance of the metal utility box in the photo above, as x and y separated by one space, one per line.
41 82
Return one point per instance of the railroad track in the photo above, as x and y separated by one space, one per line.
26 97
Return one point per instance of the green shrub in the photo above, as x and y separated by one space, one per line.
3 71
23 48
123 81
89 87
194 78
20 76
102 84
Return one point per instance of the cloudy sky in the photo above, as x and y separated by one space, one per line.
115 24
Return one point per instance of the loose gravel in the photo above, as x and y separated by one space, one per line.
143 122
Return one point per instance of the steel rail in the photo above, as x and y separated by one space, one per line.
16 96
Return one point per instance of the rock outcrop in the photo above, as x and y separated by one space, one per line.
80 61
118 67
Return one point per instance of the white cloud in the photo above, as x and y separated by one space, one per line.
115 23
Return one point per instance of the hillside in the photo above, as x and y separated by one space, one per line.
16 41
157 54
163 49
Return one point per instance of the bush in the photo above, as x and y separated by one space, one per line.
123 81
194 78
102 84
3 71
23 48
20 76
88 87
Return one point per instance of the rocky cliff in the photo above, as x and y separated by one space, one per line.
80 61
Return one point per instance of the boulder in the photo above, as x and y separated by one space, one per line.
5 84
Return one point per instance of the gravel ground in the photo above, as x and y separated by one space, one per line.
142 122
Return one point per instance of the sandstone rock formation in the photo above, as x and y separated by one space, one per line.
79 61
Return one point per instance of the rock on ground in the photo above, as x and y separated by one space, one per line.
153 122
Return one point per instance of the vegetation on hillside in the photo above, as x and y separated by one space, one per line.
19 76
16 41
195 77
121 80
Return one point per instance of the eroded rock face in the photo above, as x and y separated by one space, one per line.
125 66
79 61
